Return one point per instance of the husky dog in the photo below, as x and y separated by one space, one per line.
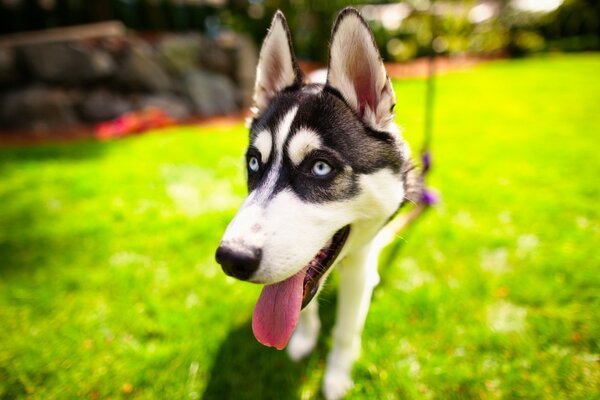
327 170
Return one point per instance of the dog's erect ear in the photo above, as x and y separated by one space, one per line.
357 71
277 66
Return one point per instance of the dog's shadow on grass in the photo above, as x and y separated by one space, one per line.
244 369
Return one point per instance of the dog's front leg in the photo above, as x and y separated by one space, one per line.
305 336
358 277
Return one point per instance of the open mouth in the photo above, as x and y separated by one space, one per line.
321 263
278 307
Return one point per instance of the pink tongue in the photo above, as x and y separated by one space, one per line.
276 312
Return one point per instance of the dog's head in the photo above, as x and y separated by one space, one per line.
326 169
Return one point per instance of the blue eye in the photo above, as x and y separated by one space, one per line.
321 168
253 164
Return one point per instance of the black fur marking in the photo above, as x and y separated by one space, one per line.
382 135
349 146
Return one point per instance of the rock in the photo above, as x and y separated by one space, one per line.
9 71
37 108
245 62
210 93
68 63
174 106
236 56
217 58
53 85
101 105
142 71
180 53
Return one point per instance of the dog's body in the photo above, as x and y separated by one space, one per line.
327 170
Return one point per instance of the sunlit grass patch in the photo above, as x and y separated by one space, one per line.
108 288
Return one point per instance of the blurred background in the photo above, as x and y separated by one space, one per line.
108 284
67 62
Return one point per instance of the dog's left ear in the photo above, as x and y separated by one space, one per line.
357 71
277 66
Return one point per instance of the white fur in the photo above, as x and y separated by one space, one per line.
289 221
304 339
281 132
264 142
301 144
276 225
246 230
243 232
358 278
318 76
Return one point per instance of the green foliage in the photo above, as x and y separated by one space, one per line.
310 21
573 26
108 286
145 15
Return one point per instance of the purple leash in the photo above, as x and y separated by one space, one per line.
429 197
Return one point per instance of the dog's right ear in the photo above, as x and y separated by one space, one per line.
277 66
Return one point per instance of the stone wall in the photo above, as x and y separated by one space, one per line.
46 86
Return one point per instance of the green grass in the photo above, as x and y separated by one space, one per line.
108 288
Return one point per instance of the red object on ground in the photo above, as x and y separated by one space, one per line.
133 122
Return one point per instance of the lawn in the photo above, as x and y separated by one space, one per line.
108 288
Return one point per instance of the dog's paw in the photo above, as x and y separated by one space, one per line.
336 384
302 344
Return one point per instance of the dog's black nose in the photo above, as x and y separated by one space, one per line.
239 264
